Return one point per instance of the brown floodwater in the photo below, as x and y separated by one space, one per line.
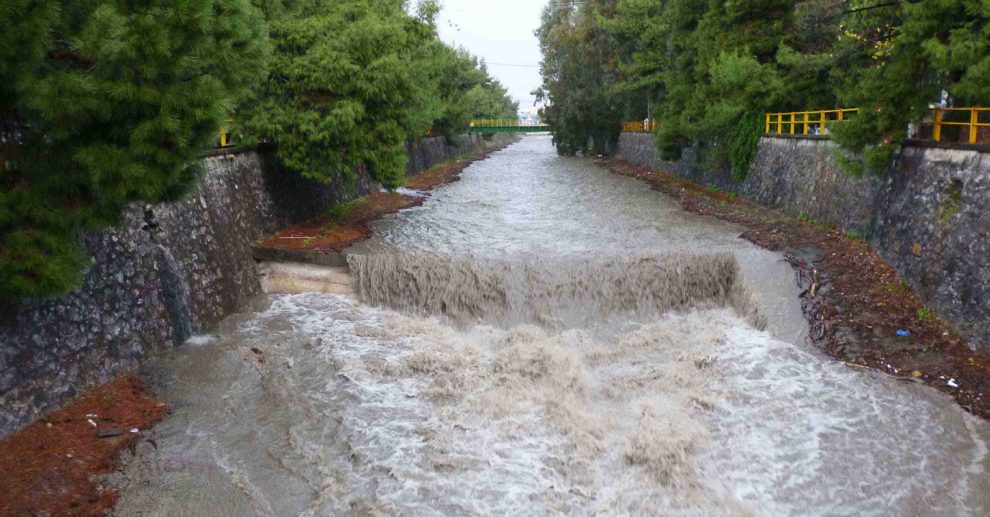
543 337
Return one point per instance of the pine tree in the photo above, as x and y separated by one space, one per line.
111 102
582 111
897 61
346 89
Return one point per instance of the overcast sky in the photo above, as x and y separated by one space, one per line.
501 31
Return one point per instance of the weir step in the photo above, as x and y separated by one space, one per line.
317 257
298 278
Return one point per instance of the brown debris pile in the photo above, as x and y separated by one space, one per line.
48 467
336 232
441 174
854 301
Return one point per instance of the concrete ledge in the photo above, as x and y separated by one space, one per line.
220 151
796 137
296 278
319 258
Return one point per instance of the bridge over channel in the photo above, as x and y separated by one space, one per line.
506 126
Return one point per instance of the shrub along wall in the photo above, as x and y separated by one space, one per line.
927 215
167 272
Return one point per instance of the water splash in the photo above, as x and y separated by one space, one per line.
498 368
176 297
555 294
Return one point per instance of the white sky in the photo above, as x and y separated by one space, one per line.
501 31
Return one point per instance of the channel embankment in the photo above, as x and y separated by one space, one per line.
320 240
309 256
167 272
869 301
926 215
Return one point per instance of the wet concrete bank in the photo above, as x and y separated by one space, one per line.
926 215
166 272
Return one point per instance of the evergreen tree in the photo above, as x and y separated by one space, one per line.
347 87
712 67
709 70
110 101
352 81
465 90
897 61
583 114
491 101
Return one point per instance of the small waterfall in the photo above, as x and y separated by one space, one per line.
553 294
175 297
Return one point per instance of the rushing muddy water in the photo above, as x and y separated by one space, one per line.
544 338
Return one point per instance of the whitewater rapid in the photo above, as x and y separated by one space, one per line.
545 338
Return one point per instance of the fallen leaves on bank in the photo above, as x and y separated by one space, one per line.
859 310
48 467
334 232
351 223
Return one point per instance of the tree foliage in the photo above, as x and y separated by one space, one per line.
108 101
344 91
580 110
707 68
352 81
901 59
462 84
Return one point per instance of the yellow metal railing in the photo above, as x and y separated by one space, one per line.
225 135
805 122
640 126
968 118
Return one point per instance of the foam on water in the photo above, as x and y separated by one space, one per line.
554 293
368 410
645 363
199 340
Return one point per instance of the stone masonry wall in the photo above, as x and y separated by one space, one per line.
165 273
927 216
799 175
639 148
933 225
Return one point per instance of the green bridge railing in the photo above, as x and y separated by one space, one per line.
506 126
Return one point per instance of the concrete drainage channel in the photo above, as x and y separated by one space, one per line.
541 337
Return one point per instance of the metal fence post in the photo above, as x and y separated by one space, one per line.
974 120
937 126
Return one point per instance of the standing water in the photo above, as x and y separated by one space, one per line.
543 337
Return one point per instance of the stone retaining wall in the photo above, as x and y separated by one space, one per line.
167 272
639 148
927 215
